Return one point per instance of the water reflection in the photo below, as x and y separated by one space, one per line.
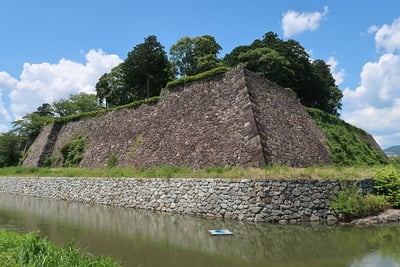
140 238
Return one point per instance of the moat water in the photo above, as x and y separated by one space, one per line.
146 239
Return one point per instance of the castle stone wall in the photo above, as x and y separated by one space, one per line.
228 119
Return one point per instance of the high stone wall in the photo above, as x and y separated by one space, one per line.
230 119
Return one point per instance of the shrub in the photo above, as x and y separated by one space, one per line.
352 204
387 183
112 161
72 152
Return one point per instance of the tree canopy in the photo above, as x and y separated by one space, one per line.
76 103
112 89
288 64
143 74
9 149
191 56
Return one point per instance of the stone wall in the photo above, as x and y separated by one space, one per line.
283 201
230 119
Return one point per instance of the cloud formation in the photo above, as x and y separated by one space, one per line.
45 83
387 37
338 75
294 23
375 104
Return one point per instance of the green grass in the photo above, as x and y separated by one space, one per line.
348 144
187 79
31 250
269 172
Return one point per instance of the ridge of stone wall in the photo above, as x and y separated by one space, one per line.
288 135
228 119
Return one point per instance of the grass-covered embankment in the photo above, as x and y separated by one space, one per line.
31 250
348 144
269 172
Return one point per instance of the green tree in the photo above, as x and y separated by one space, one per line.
268 62
191 56
146 69
76 103
29 127
329 98
45 110
9 149
112 89
288 64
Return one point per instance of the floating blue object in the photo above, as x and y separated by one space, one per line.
220 232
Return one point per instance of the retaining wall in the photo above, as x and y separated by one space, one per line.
283 201
230 119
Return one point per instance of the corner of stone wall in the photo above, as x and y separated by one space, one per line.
288 134
43 146
252 136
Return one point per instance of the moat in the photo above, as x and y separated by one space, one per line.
140 238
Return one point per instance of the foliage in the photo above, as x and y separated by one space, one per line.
112 161
288 64
395 161
346 143
112 89
9 149
29 127
146 69
30 250
199 76
142 75
100 112
72 151
352 204
45 110
387 183
76 103
195 55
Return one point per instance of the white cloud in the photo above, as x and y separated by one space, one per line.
45 82
338 75
375 104
388 37
294 22
6 83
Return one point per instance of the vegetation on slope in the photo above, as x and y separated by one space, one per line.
345 141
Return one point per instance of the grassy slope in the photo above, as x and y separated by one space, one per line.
346 142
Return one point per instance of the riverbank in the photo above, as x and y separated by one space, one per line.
388 216
31 250
252 200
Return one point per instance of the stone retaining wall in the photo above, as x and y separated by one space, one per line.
229 119
280 201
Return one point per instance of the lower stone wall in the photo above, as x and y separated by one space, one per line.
283 201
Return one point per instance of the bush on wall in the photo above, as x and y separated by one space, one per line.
72 151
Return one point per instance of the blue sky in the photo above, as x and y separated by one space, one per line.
50 49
